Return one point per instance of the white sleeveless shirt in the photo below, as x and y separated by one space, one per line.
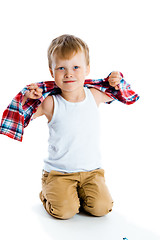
73 135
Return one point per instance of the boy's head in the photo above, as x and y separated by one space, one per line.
65 47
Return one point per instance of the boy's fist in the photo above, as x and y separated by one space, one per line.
34 92
114 79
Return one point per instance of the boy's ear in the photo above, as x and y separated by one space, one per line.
88 70
51 72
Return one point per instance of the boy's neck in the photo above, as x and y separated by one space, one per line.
74 96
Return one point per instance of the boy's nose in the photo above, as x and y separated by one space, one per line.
68 74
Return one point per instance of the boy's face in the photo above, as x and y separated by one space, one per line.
69 74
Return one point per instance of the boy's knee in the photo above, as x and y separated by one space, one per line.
99 207
62 212
102 208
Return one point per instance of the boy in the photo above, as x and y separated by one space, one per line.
72 175
72 172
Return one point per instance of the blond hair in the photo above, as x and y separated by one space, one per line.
65 46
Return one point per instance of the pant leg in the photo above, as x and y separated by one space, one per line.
94 193
59 194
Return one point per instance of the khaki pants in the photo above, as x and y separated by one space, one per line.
63 193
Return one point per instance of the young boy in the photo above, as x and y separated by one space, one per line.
72 174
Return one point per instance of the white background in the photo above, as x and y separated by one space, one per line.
123 36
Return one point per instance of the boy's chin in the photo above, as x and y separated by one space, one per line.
71 88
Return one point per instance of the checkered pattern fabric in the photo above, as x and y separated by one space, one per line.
15 118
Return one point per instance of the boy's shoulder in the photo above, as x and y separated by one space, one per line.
48 103
99 96
48 107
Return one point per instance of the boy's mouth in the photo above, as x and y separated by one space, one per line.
69 81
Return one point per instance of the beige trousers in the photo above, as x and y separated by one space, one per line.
63 193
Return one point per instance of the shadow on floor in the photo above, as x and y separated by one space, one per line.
83 226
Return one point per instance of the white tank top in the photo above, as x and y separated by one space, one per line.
73 135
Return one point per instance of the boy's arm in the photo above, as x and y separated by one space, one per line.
45 108
101 97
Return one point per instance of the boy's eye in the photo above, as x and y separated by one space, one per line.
76 67
61 68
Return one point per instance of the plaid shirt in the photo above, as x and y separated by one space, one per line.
15 118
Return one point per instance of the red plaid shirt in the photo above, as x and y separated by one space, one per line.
15 118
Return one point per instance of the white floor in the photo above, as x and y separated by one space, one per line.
35 223
82 226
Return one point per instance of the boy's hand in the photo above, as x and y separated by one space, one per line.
114 80
34 92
